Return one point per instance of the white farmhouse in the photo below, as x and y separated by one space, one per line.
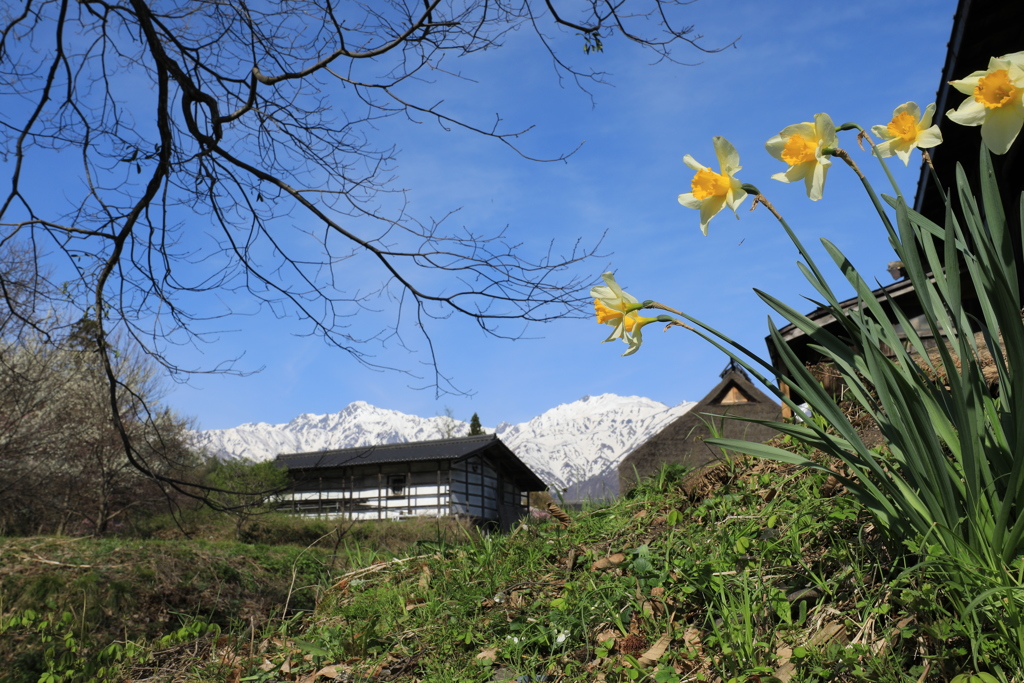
473 476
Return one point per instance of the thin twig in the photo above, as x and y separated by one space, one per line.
381 565
65 564
760 199
842 154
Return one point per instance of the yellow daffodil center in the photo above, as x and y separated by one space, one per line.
903 126
604 313
707 183
607 314
798 150
995 89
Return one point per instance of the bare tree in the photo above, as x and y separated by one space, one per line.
447 425
62 461
229 147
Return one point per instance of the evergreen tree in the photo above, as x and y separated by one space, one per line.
474 426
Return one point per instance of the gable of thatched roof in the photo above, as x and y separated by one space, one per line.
682 442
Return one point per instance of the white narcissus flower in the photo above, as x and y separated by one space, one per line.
617 308
802 146
614 307
907 130
711 192
996 103
635 336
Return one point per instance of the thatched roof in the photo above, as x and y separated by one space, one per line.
682 442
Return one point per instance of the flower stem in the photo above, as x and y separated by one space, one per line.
672 322
864 135
935 176
845 156
661 307
842 154
761 199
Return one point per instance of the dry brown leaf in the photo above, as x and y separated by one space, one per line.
691 637
657 650
829 632
786 668
267 665
490 653
609 562
330 672
640 514
559 514
831 486
880 645
785 672
648 607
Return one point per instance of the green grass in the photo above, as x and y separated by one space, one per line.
82 605
768 577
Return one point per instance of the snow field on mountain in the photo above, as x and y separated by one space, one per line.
565 446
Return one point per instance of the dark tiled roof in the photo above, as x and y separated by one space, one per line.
440 449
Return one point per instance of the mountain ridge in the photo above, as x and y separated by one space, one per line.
574 447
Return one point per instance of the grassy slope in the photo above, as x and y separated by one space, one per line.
144 590
82 594
770 576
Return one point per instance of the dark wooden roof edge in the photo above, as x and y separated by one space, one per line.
454 449
823 314
963 9
522 470
410 446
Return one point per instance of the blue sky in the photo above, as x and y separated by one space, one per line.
855 61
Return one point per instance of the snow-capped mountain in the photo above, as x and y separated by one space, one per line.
567 446
575 442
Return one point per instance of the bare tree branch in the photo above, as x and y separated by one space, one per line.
228 148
